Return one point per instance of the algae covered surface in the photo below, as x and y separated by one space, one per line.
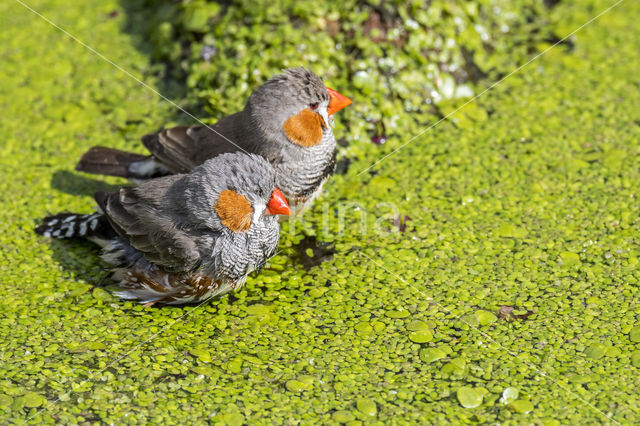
485 272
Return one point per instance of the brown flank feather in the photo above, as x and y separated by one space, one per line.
234 210
189 285
304 128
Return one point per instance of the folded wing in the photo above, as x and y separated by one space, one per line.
150 229
182 148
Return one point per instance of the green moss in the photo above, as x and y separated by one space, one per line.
520 220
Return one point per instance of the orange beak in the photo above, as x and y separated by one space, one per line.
337 101
277 204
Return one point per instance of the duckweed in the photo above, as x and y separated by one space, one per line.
486 317
509 395
343 416
418 325
367 407
510 228
296 386
32 400
456 366
401 313
421 336
470 397
595 351
432 354
521 406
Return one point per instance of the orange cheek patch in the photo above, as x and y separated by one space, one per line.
304 128
234 210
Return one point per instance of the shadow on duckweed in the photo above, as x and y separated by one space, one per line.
310 252
80 261
76 184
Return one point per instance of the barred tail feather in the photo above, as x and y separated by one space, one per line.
71 225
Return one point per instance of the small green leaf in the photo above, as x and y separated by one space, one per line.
259 309
596 351
5 401
568 258
417 325
486 317
297 386
508 230
96 345
457 365
521 406
233 419
432 354
400 313
470 397
509 395
367 406
32 400
342 416
421 336
363 328
202 354
381 184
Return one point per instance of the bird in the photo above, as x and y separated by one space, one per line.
288 120
184 238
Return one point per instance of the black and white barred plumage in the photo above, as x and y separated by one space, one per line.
72 225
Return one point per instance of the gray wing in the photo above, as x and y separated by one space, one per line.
182 148
150 230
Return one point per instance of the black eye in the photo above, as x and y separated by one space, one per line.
313 105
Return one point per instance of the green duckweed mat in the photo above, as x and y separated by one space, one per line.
486 272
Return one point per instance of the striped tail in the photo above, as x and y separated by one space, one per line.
70 225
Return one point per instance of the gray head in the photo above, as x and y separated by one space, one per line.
232 193
233 200
297 92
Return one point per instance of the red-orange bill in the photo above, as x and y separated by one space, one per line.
277 204
337 102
